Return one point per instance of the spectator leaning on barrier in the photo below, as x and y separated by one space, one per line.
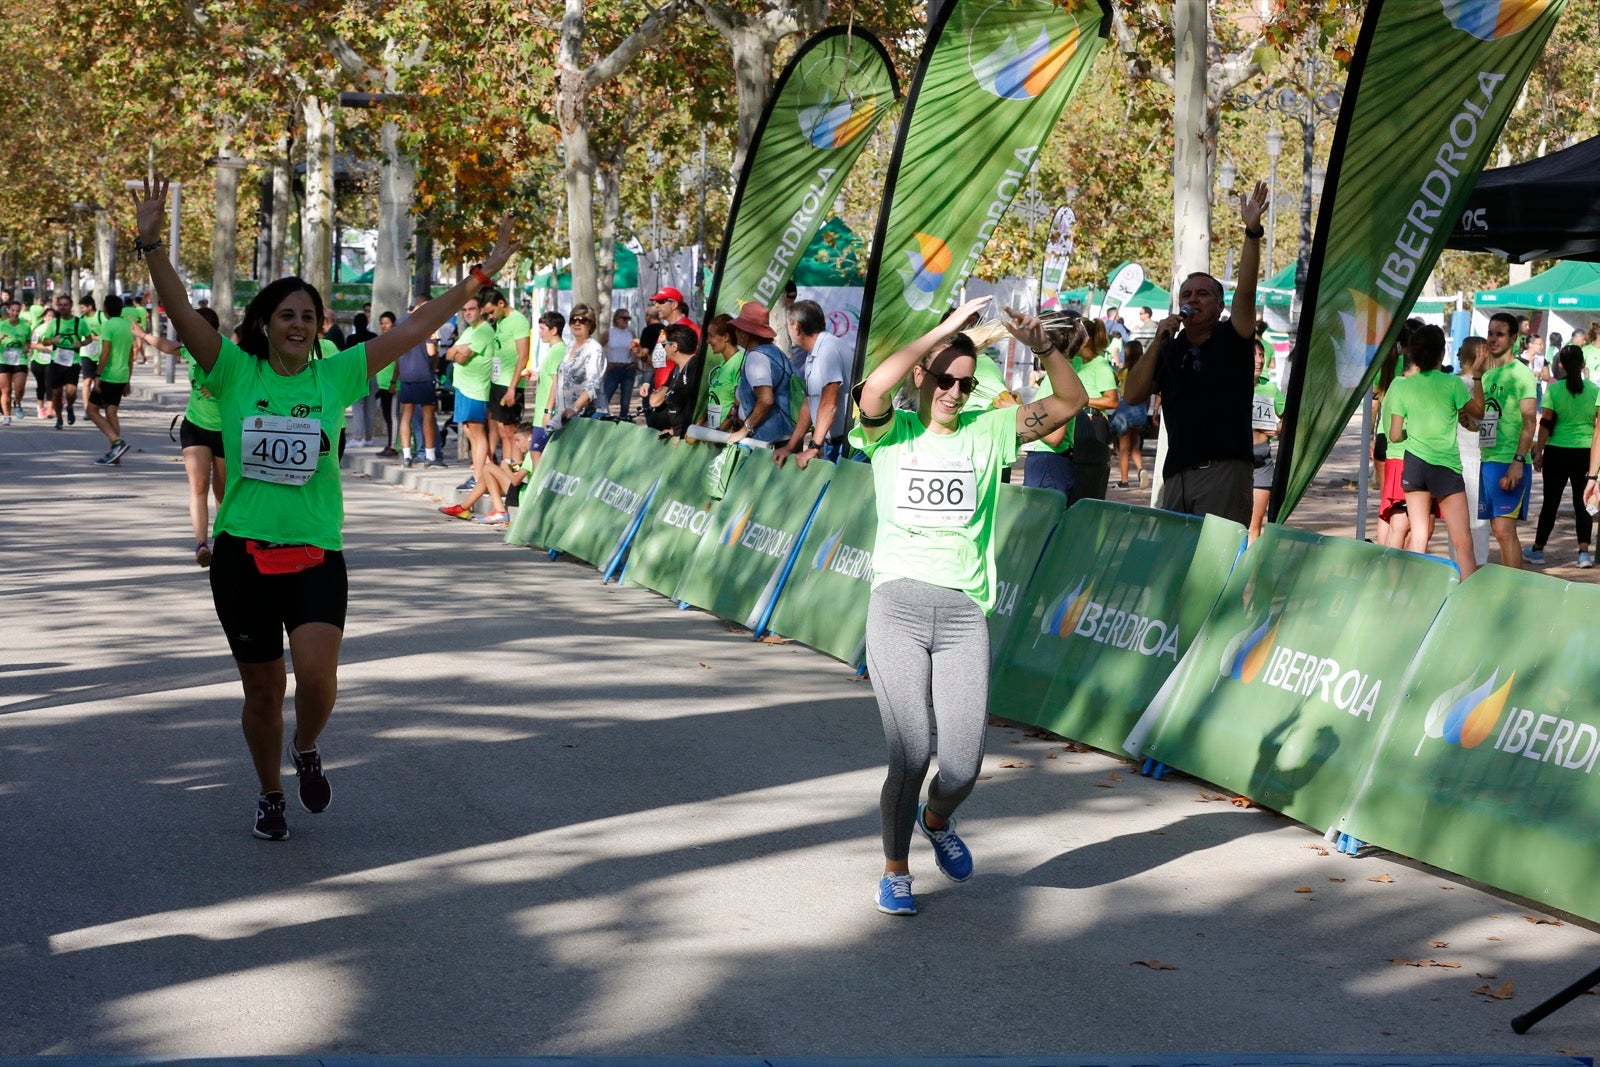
723 386
579 376
826 416
670 409
669 304
1204 374
763 392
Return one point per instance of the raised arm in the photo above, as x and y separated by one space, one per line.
421 324
1251 205
877 391
1067 395
198 337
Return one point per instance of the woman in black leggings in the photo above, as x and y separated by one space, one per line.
1561 450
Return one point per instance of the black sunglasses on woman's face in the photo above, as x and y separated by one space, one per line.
947 381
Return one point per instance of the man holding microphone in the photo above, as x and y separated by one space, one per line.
1204 370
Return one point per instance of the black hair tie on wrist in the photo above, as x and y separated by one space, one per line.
140 249
877 420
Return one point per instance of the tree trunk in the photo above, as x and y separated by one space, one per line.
282 197
224 239
396 182
316 210
606 255
752 79
423 284
105 256
1192 150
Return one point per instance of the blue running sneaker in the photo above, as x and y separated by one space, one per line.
894 895
949 852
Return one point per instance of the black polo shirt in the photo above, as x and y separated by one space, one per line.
1205 397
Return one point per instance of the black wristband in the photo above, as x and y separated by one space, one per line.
1255 234
877 420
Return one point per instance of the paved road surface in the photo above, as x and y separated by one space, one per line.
569 818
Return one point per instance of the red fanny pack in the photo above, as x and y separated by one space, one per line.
284 559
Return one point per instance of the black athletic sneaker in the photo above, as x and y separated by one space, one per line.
315 792
270 823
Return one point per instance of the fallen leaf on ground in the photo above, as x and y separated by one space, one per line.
1380 878
1438 944
1074 761
1113 777
1494 939
1502 992
1014 763
1242 802
773 639
1206 798
1303 889
707 666
1331 878
1403 961
1318 849
1538 921
1049 755
1154 965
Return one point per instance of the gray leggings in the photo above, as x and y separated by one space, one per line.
920 635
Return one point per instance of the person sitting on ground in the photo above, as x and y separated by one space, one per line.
503 479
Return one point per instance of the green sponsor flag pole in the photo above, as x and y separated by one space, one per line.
1431 84
993 78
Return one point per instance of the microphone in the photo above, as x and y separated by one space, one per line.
1185 311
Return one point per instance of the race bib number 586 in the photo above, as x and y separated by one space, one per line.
279 449
935 491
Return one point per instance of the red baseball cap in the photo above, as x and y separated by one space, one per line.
668 293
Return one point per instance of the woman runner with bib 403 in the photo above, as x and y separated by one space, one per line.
276 562
937 475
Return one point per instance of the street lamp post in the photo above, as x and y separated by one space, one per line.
1308 96
173 211
1274 150
1227 174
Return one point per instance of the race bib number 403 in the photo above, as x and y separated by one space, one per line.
279 449
935 491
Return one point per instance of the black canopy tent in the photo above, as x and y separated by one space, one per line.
1546 208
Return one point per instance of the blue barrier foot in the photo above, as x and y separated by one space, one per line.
861 671
552 553
1160 772
1153 768
683 605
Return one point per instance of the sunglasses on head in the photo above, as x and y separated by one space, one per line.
947 381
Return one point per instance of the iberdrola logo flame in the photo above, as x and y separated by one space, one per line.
1062 616
929 260
735 528
1013 72
1467 714
1247 653
834 125
1490 20
827 550
1364 327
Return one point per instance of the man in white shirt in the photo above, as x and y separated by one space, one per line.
828 364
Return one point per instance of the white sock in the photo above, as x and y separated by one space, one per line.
406 453
430 453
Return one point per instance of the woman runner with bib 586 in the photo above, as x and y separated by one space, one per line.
276 563
937 475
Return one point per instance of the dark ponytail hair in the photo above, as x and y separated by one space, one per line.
1427 348
253 329
1571 358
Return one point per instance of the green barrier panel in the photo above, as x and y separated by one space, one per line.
754 529
678 514
1024 522
824 602
1282 696
574 459
1118 598
602 515
1487 757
